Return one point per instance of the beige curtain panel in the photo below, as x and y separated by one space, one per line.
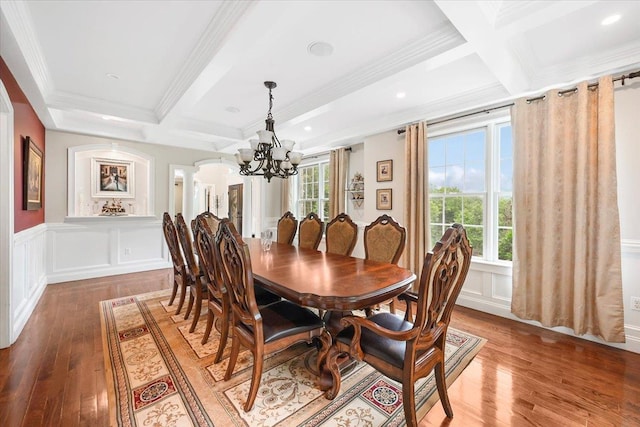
416 203
338 165
567 266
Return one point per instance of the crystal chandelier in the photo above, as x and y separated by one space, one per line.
270 157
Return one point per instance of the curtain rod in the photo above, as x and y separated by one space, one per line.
621 78
325 153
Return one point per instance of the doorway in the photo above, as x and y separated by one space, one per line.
235 206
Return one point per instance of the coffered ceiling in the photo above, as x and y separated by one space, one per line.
190 73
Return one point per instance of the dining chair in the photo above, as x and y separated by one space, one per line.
218 306
263 330
287 226
406 349
196 282
179 267
342 234
310 233
384 241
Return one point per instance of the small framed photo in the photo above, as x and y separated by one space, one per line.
385 170
112 178
383 199
32 176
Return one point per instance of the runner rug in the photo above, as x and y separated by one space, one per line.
158 374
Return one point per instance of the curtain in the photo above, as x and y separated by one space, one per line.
567 263
416 203
338 165
285 196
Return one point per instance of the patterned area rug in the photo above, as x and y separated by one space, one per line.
159 374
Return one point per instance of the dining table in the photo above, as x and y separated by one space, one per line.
333 283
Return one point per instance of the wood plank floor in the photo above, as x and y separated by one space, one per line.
524 376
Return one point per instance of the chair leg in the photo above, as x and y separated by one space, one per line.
224 335
442 389
409 403
183 294
174 291
207 331
233 357
196 314
255 380
189 305
392 306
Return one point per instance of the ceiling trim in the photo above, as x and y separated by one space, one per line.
211 41
72 102
411 54
19 20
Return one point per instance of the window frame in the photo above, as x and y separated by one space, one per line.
492 125
320 163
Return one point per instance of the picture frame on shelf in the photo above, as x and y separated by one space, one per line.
32 175
384 199
112 178
384 170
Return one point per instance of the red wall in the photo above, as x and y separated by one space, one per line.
25 123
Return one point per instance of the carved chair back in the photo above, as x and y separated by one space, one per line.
287 226
384 240
171 237
210 258
184 235
342 234
310 233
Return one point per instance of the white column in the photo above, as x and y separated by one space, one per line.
188 193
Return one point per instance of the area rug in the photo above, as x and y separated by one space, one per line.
158 374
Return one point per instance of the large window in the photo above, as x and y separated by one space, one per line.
470 175
313 190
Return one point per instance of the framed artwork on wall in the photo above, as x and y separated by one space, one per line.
112 178
32 176
383 199
385 170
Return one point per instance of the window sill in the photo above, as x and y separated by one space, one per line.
497 267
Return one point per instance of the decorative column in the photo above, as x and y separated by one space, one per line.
188 193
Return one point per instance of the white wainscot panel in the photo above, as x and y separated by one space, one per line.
474 283
502 287
97 247
29 279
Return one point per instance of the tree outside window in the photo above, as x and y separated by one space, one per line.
313 190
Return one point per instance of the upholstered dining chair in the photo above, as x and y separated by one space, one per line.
263 330
384 241
406 349
310 233
179 267
287 226
196 282
342 234
218 305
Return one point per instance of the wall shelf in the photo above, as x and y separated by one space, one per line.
356 189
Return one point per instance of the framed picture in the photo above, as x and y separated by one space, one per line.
383 199
112 178
32 176
385 170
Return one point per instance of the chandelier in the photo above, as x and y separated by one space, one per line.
270 157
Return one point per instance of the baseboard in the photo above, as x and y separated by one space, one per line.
24 311
93 272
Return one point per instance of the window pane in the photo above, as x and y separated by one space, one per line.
453 181
436 180
454 150
436 152
325 210
435 209
505 244
474 177
436 232
474 147
505 142
476 239
473 211
505 212
452 210
506 175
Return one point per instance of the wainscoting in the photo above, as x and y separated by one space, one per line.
88 247
29 276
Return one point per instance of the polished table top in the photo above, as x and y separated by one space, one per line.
326 281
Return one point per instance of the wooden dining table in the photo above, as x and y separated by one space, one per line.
330 282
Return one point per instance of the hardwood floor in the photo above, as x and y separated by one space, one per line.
524 376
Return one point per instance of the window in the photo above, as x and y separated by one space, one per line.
313 190
462 187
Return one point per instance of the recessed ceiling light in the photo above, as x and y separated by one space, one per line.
232 109
307 128
400 95
113 76
611 19
320 49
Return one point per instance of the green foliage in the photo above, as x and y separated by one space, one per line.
505 244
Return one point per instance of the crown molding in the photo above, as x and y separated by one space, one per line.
390 63
226 17
72 102
21 26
